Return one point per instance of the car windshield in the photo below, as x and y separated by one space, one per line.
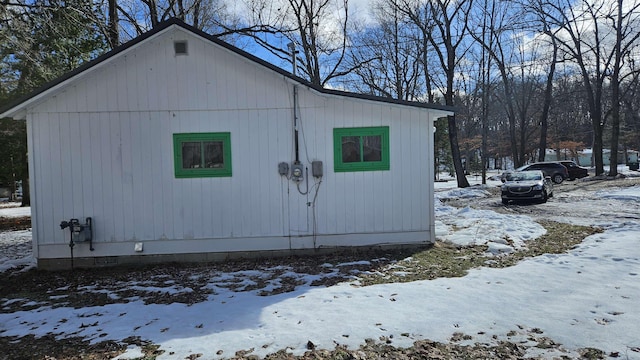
524 176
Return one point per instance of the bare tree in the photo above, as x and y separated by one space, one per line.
483 88
548 98
113 25
316 29
521 58
384 57
624 22
631 108
136 17
596 36
39 41
499 47
443 22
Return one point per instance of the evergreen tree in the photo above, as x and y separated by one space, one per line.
39 41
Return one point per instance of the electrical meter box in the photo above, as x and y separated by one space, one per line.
316 169
283 169
296 172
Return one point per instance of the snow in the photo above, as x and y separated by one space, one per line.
13 210
503 233
631 194
16 249
587 297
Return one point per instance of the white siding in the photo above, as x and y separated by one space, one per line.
103 148
376 201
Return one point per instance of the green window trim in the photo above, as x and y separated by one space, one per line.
198 155
361 149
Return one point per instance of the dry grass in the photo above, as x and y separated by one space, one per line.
446 260
15 223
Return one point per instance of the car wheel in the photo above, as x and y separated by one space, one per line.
557 178
544 197
505 201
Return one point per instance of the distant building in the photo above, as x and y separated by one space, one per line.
585 157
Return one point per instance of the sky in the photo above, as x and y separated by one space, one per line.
587 297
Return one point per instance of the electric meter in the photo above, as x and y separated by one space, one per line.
296 172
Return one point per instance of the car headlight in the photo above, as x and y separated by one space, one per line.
537 187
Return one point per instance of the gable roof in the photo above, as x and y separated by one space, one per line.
18 107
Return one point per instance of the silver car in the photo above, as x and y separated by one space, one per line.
526 185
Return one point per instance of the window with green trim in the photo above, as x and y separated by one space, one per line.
202 155
361 149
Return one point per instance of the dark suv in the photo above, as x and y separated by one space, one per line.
526 185
575 171
556 171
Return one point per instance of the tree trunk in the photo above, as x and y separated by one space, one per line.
181 10
597 146
113 36
513 139
26 193
522 151
425 65
485 134
485 75
153 12
451 120
615 96
544 117
196 14
455 153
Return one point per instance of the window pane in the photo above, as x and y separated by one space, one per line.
213 154
202 155
351 149
372 148
191 155
361 149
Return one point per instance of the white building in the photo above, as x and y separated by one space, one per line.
174 144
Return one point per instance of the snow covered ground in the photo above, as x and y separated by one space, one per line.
13 209
585 298
15 246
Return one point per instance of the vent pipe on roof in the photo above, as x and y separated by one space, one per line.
293 51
